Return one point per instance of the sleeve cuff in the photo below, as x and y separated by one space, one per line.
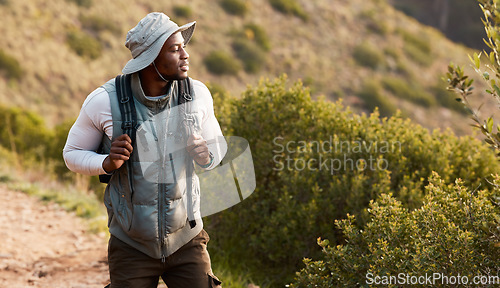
206 166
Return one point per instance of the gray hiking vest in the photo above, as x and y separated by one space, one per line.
153 217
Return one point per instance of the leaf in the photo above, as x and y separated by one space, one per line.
497 89
477 61
486 76
450 70
489 125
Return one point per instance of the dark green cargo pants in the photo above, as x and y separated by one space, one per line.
187 267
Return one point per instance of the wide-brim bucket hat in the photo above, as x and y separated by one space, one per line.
147 38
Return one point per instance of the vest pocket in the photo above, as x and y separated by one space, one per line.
175 215
144 224
120 202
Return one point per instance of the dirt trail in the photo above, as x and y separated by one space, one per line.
42 245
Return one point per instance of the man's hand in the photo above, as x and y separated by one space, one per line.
121 149
198 149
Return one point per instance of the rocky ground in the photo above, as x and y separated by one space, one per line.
42 245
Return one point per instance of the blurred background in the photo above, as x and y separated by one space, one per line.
302 70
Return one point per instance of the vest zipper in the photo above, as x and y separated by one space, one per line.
162 189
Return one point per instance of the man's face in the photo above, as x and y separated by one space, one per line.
172 62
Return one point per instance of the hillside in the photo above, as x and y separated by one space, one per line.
341 50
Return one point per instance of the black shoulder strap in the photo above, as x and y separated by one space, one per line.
185 97
128 115
127 106
184 91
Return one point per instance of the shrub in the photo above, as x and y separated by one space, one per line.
222 104
417 56
98 24
418 48
183 11
294 203
10 66
250 54
55 148
84 44
366 55
24 133
289 7
371 93
411 92
221 63
257 34
372 23
456 232
82 3
234 7
422 43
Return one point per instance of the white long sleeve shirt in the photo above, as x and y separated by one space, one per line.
95 120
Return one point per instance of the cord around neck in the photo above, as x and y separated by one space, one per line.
154 65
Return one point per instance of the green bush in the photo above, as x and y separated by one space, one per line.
182 11
256 33
84 44
294 203
98 24
221 63
412 92
10 66
234 7
374 24
367 55
417 48
456 232
371 94
82 3
251 55
24 133
421 42
291 7
417 56
55 148
222 104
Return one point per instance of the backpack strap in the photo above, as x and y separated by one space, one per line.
184 100
127 105
128 113
129 117
184 87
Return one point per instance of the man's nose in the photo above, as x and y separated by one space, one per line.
184 54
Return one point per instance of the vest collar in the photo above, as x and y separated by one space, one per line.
152 103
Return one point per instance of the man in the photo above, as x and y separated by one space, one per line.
153 195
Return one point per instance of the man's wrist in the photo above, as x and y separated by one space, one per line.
209 162
105 166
